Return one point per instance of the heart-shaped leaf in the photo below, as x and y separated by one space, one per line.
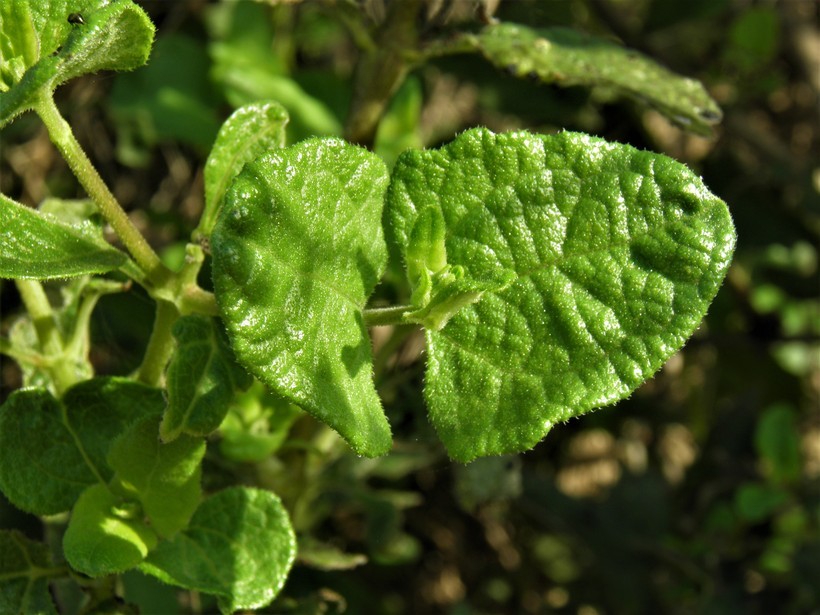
296 253
41 246
616 255
238 546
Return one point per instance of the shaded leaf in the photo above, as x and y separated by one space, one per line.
165 478
567 57
202 377
296 253
238 546
37 245
778 443
25 567
51 450
616 252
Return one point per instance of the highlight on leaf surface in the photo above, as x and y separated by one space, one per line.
616 255
297 251
567 57
43 48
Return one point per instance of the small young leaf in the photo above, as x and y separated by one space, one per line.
617 254
114 36
247 133
106 534
24 572
238 546
296 253
163 477
202 377
50 450
567 57
40 246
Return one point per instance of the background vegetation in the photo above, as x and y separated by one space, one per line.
701 493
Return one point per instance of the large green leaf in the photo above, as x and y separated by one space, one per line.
40 49
296 253
51 450
567 57
238 546
246 134
41 246
163 477
25 567
106 535
616 255
202 377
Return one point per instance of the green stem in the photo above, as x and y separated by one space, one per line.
393 315
51 342
63 138
160 346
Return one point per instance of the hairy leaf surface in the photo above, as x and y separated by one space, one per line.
106 534
246 134
296 253
616 255
567 57
51 450
37 245
202 377
45 50
163 477
238 546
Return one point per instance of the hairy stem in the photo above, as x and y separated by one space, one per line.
160 346
63 138
393 315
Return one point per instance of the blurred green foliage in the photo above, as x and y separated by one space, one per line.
700 494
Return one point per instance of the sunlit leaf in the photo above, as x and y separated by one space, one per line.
616 255
239 546
296 253
41 246
568 57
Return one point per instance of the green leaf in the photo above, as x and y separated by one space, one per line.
296 253
25 567
257 425
755 502
165 478
51 450
566 57
246 134
777 441
616 252
323 556
46 50
41 246
105 534
238 546
202 377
